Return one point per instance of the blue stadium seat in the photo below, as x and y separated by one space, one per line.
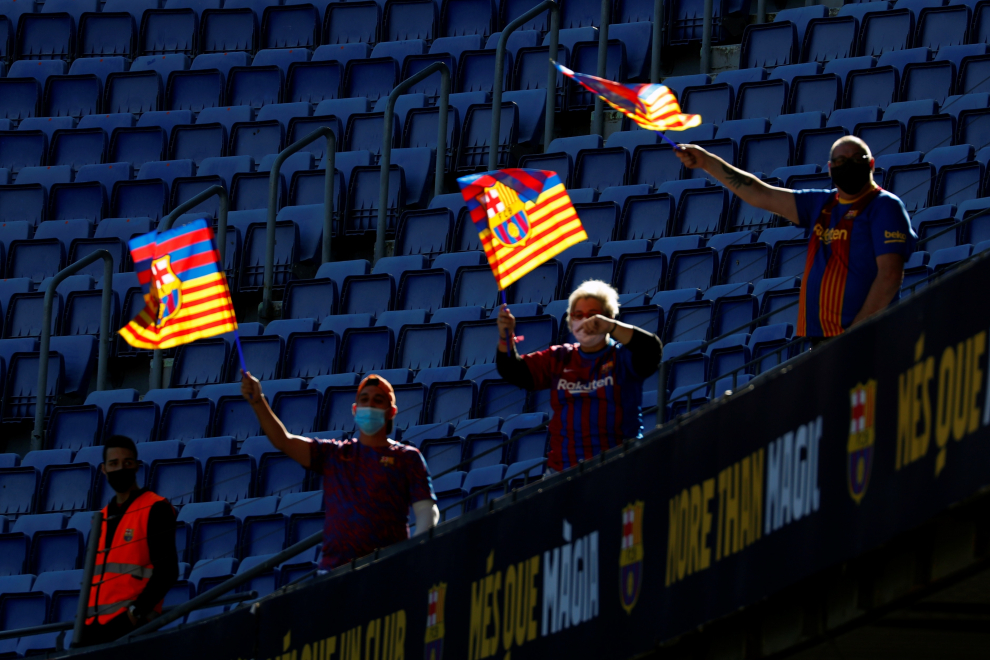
233 28
912 183
463 17
476 135
410 19
423 346
686 21
337 415
200 363
291 26
173 29
688 321
261 83
538 286
946 258
482 485
263 356
886 31
469 341
692 269
927 80
427 289
51 33
828 39
352 23
265 135
363 350
367 294
442 454
209 573
253 255
66 488
766 99
938 27
317 80
641 272
769 45
701 211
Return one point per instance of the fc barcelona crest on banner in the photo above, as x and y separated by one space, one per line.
859 460
507 217
631 555
434 622
167 289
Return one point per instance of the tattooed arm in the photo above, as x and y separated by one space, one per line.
745 185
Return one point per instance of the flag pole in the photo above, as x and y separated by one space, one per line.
667 139
240 352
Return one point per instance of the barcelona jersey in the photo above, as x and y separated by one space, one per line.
367 492
595 399
882 227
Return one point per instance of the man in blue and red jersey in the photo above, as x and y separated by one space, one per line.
596 384
369 482
860 235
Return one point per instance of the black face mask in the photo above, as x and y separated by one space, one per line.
851 177
122 480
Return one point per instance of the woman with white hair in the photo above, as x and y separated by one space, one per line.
597 384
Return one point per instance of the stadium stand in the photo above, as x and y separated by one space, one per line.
112 116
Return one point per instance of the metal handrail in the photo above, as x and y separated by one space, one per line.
274 181
598 118
37 435
657 41
224 587
554 9
166 224
386 158
706 38
66 625
92 547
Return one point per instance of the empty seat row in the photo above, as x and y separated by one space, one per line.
872 28
65 28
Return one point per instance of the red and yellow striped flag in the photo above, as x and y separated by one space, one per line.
524 217
653 107
185 288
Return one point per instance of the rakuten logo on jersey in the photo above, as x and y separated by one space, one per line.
590 386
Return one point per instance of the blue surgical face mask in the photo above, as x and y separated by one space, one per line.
369 420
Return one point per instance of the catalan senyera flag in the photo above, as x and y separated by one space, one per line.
653 107
185 288
523 217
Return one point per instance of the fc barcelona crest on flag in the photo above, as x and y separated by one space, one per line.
507 218
434 622
167 290
523 217
631 555
185 288
859 461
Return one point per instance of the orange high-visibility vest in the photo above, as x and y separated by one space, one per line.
121 574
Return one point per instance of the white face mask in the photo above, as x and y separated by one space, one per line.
586 340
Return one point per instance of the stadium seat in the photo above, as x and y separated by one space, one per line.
364 350
769 45
886 31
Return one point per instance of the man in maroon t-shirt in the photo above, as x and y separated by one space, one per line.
369 482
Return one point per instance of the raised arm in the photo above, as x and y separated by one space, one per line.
295 447
752 191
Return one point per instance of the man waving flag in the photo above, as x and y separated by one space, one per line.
185 288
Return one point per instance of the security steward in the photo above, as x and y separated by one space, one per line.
137 562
